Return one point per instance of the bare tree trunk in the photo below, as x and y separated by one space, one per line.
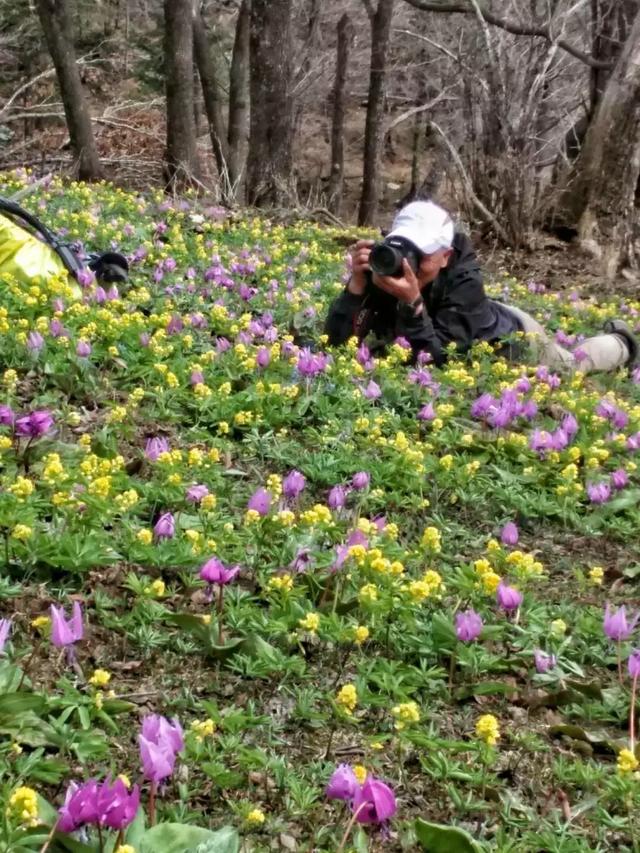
380 37
55 19
210 93
600 194
336 178
239 97
269 165
181 166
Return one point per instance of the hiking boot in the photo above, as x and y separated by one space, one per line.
619 327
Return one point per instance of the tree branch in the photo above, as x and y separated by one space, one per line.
513 27
420 109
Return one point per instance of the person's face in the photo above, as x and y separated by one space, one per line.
430 265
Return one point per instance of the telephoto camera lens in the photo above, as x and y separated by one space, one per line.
386 258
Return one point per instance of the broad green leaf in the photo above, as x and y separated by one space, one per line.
14 704
436 838
181 838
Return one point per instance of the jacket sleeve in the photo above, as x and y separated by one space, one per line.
342 311
455 321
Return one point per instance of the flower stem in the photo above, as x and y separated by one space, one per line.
632 715
620 679
220 607
152 803
350 826
49 838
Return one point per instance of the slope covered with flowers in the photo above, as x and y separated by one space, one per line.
283 577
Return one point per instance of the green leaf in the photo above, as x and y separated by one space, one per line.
485 688
181 838
436 838
13 704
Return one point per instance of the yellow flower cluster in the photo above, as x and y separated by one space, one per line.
431 540
429 583
256 817
100 678
282 583
405 713
310 622
488 729
203 728
347 698
627 762
23 806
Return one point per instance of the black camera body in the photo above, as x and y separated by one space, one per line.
386 257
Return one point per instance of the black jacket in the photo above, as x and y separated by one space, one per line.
456 309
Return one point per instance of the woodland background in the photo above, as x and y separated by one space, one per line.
522 116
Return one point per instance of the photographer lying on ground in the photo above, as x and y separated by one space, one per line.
424 283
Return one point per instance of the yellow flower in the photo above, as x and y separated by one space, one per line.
558 628
283 583
406 713
42 624
251 516
22 488
23 806
596 575
125 848
368 593
21 532
487 729
100 678
627 762
347 698
203 728
311 622
431 539
490 581
208 503
360 773
256 817
145 536
125 779
156 589
360 634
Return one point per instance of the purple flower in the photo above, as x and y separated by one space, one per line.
214 571
65 632
373 802
360 480
301 561
481 407
543 661
85 277
263 357
83 349
599 493
311 364
509 534
569 425
260 501
7 416
35 424
372 391
337 497
427 413
633 663
468 626
343 784
5 630
196 493
159 742
80 806
154 447
35 342
293 484
540 441
508 597
615 625
197 377
619 479
165 527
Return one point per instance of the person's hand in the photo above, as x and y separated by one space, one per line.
405 289
359 266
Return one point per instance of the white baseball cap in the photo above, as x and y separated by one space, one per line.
426 225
